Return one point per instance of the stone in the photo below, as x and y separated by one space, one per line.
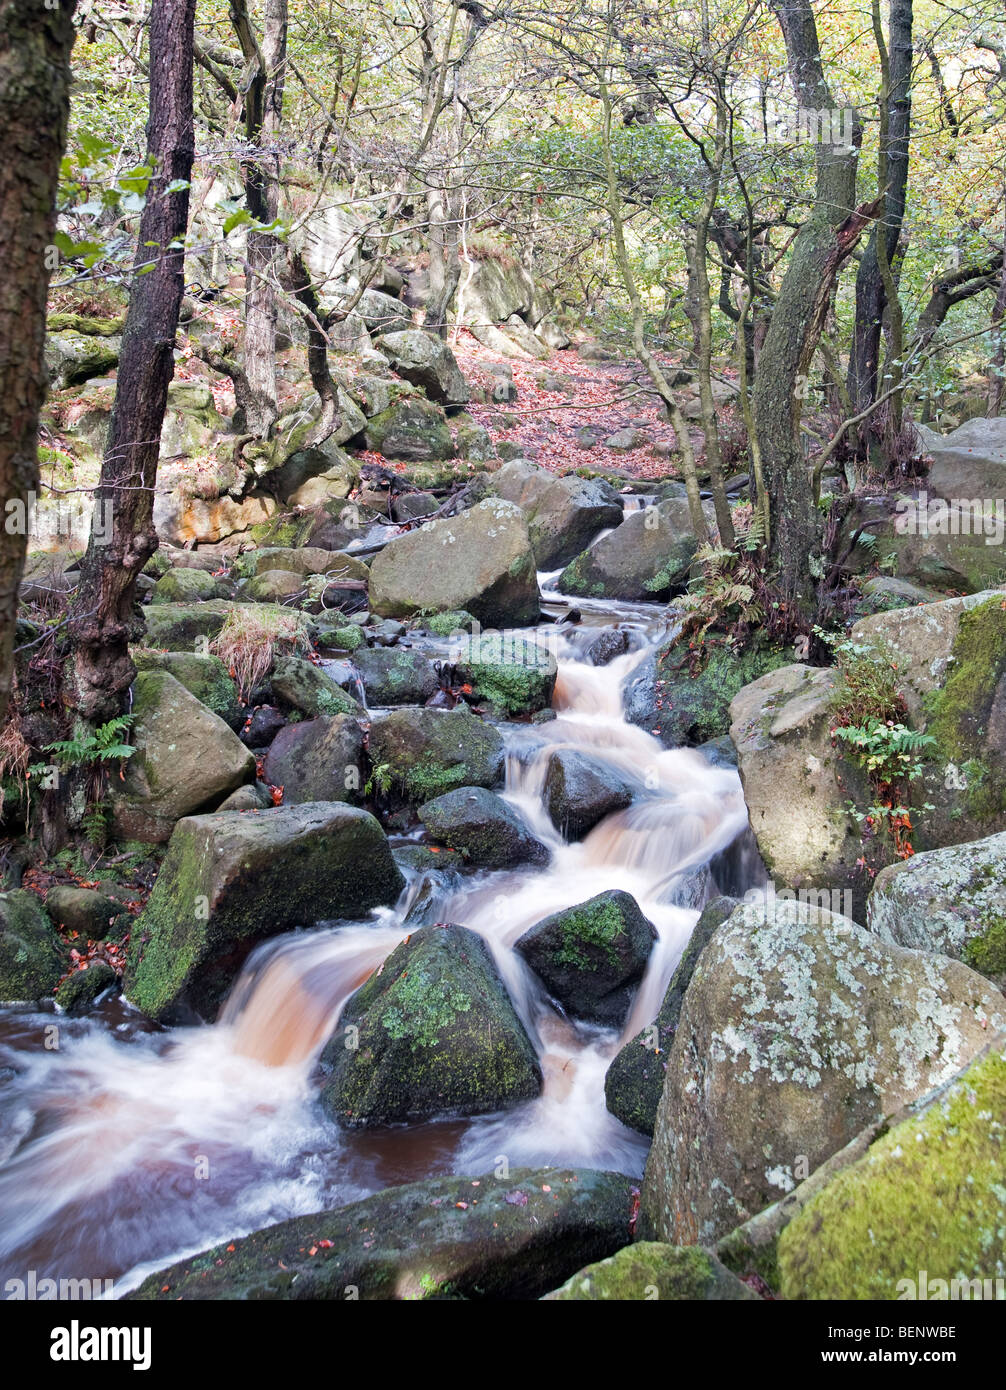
203 675
92 914
306 687
650 1269
427 362
647 557
580 790
413 429
318 760
483 827
509 671
564 514
32 956
81 990
395 676
188 586
427 752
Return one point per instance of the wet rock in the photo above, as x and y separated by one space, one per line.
634 1081
94 915
798 1029
265 724
485 828
428 752
480 561
186 760
254 796
318 760
80 991
32 957
647 557
229 881
203 675
442 1238
612 642
676 1273
580 791
437 1035
305 687
396 676
592 957
427 362
506 670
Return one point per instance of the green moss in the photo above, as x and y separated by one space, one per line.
444 624
596 926
650 1270
987 953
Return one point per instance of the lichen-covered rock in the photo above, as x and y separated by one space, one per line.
81 990
92 914
413 429
465 1238
480 561
427 362
203 675
32 956
186 760
652 1270
579 791
395 676
647 557
483 827
634 1082
187 586
305 687
435 1034
564 513
798 1029
230 880
318 760
507 670
926 1202
952 901
427 752
592 957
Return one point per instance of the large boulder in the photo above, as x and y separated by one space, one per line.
580 790
564 514
483 827
507 670
305 687
317 760
412 429
647 557
86 911
443 1238
592 957
188 586
186 760
427 752
301 560
184 627
651 1270
968 462
32 956
798 1029
480 561
432 1033
395 675
203 675
232 879
921 1214
427 362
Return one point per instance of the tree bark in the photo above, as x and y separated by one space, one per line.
35 45
104 616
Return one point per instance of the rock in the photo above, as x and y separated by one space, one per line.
179 627
624 441
634 1081
230 880
375 394
883 592
647 556
183 519
73 358
798 1029
80 991
381 312
307 688
253 796
663 697
186 760
187 586
563 514
315 475
411 506
921 1214
483 827
580 791
480 561
301 560
94 915
442 1238
968 462
951 901
428 752
611 643
275 586
203 676
395 676
318 760
437 1035
265 724
427 362
507 670
32 957
592 957
672 1273
413 429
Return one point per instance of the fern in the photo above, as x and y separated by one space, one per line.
100 745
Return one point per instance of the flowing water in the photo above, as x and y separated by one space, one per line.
128 1146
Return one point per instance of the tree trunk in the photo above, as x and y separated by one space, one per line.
445 264
104 614
35 45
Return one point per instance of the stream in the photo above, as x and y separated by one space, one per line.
129 1146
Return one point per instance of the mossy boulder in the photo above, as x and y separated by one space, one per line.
93 915
427 752
433 1033
301 560
592 957
32 956
634 1082
75 357
412 429
230 880
483 827
580 790
927 1196
480 561
446 624
651 1270
647 557
80 991
564 513
188 586
427 362
507 670
186 760
301 685
182 627
275 586
203 675
318 760
470 1238
798 1029
395 676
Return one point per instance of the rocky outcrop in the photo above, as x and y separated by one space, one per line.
427 362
